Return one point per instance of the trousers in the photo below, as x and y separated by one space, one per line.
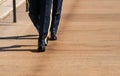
39 13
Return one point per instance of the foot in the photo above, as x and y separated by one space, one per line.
41 48
53 38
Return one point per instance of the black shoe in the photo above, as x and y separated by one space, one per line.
41 48
52 38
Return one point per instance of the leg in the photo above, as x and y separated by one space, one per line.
57 7
34 6
34 13
44 22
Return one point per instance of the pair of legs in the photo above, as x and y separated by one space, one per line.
39 12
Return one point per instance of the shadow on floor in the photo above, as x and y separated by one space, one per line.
18 47
20 37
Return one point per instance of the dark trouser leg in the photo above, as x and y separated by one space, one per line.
35 21
34 13
44 19
57 7
34 6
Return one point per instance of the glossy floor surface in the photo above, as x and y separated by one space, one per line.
88 42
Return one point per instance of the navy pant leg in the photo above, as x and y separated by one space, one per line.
34 11
44 17
57 7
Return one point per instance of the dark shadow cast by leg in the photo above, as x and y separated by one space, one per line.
20 37
17 48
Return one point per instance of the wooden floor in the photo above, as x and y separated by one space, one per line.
88 42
